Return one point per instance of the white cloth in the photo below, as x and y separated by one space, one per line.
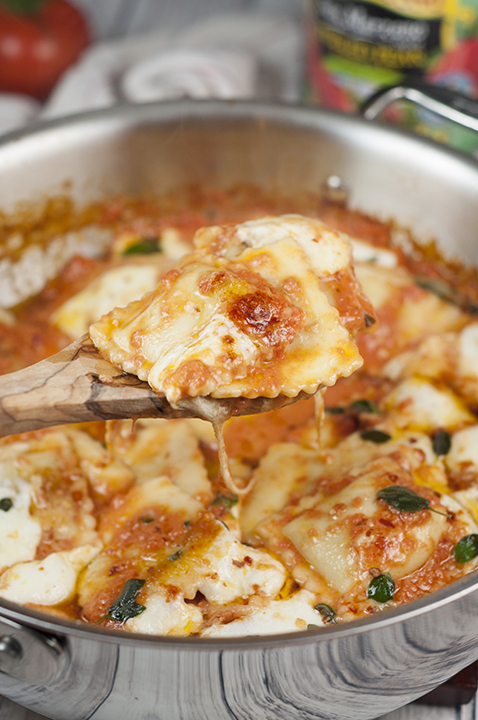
16 111
244 55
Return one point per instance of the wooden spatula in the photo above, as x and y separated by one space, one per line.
77 385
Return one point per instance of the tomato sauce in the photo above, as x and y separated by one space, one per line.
138 542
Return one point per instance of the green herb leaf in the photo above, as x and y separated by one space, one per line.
226 501
404 499
175 555
364 405
143 247
6 504
335 410
441 442
376 436
328 613
447 292
125 606
146 519
311 626
466 549
441 289
369 320
381 588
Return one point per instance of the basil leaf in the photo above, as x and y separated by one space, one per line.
402 498
447 292
376 436
441 289
335 410
328 613
175 555
226 501
143 247
441 442
125 606
406 500
369 320
466 549
6 504
381 588
359 406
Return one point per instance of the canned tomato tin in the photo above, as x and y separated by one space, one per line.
355 47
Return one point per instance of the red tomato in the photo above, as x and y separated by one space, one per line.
37 47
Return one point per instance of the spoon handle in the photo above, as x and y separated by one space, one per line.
75 385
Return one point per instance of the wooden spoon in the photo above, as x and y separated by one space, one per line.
78 385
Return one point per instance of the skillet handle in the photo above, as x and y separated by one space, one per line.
33 657
447 103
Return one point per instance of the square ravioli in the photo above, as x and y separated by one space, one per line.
258 310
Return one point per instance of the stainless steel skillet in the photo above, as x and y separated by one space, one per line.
360 670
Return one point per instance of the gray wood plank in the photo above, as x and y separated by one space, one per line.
12 711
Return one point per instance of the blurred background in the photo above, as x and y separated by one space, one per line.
116 18
64 56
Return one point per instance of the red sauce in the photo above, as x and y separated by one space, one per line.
137 544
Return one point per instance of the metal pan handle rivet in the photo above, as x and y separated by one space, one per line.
31 656
11 652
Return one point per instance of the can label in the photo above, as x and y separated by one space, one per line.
357 46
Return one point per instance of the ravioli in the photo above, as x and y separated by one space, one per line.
261 309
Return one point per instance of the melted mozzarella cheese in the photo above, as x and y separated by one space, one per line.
468 351
166 614
19 532
449 357
462 458
327 250
272 617
114 288
51 466
250 322
364 252
419 405
224 569
241 571
463 509
172 244
468 499
381 284
49 581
